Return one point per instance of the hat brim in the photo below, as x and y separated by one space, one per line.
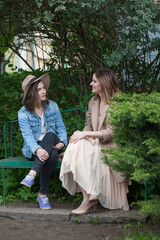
44 78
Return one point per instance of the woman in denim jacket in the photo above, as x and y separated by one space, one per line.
43 131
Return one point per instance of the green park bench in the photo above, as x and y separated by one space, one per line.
11 161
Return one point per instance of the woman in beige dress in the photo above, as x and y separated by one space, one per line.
82 169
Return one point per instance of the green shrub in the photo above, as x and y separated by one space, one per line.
136 121
137 134
151 207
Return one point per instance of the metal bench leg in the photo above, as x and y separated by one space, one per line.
4 194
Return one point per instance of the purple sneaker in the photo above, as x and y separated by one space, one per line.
28 180
43 202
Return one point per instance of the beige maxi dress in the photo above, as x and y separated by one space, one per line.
82 164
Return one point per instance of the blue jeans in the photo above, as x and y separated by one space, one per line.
47 167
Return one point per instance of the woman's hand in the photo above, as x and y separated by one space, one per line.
77 136
59 146
42 154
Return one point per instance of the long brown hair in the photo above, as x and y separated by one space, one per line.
32 98
109 83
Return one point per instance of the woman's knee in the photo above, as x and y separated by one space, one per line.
51 137
48 134
53 157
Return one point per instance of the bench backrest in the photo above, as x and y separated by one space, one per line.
74 118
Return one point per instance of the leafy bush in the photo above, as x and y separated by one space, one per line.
151 207
137 123
15 191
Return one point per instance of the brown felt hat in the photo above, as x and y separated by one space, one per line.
30 79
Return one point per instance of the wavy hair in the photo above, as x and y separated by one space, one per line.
109 83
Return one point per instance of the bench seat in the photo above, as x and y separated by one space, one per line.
23 162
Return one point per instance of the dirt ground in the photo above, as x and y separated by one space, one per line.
11 229
33 230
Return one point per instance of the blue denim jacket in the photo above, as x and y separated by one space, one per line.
30 125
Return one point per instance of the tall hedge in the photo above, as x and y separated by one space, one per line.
136 121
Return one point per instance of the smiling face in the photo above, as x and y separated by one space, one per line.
96 85
41 91
36 96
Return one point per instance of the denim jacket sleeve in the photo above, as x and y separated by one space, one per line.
59 126
26 130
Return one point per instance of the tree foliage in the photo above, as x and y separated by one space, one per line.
86 35
137 53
